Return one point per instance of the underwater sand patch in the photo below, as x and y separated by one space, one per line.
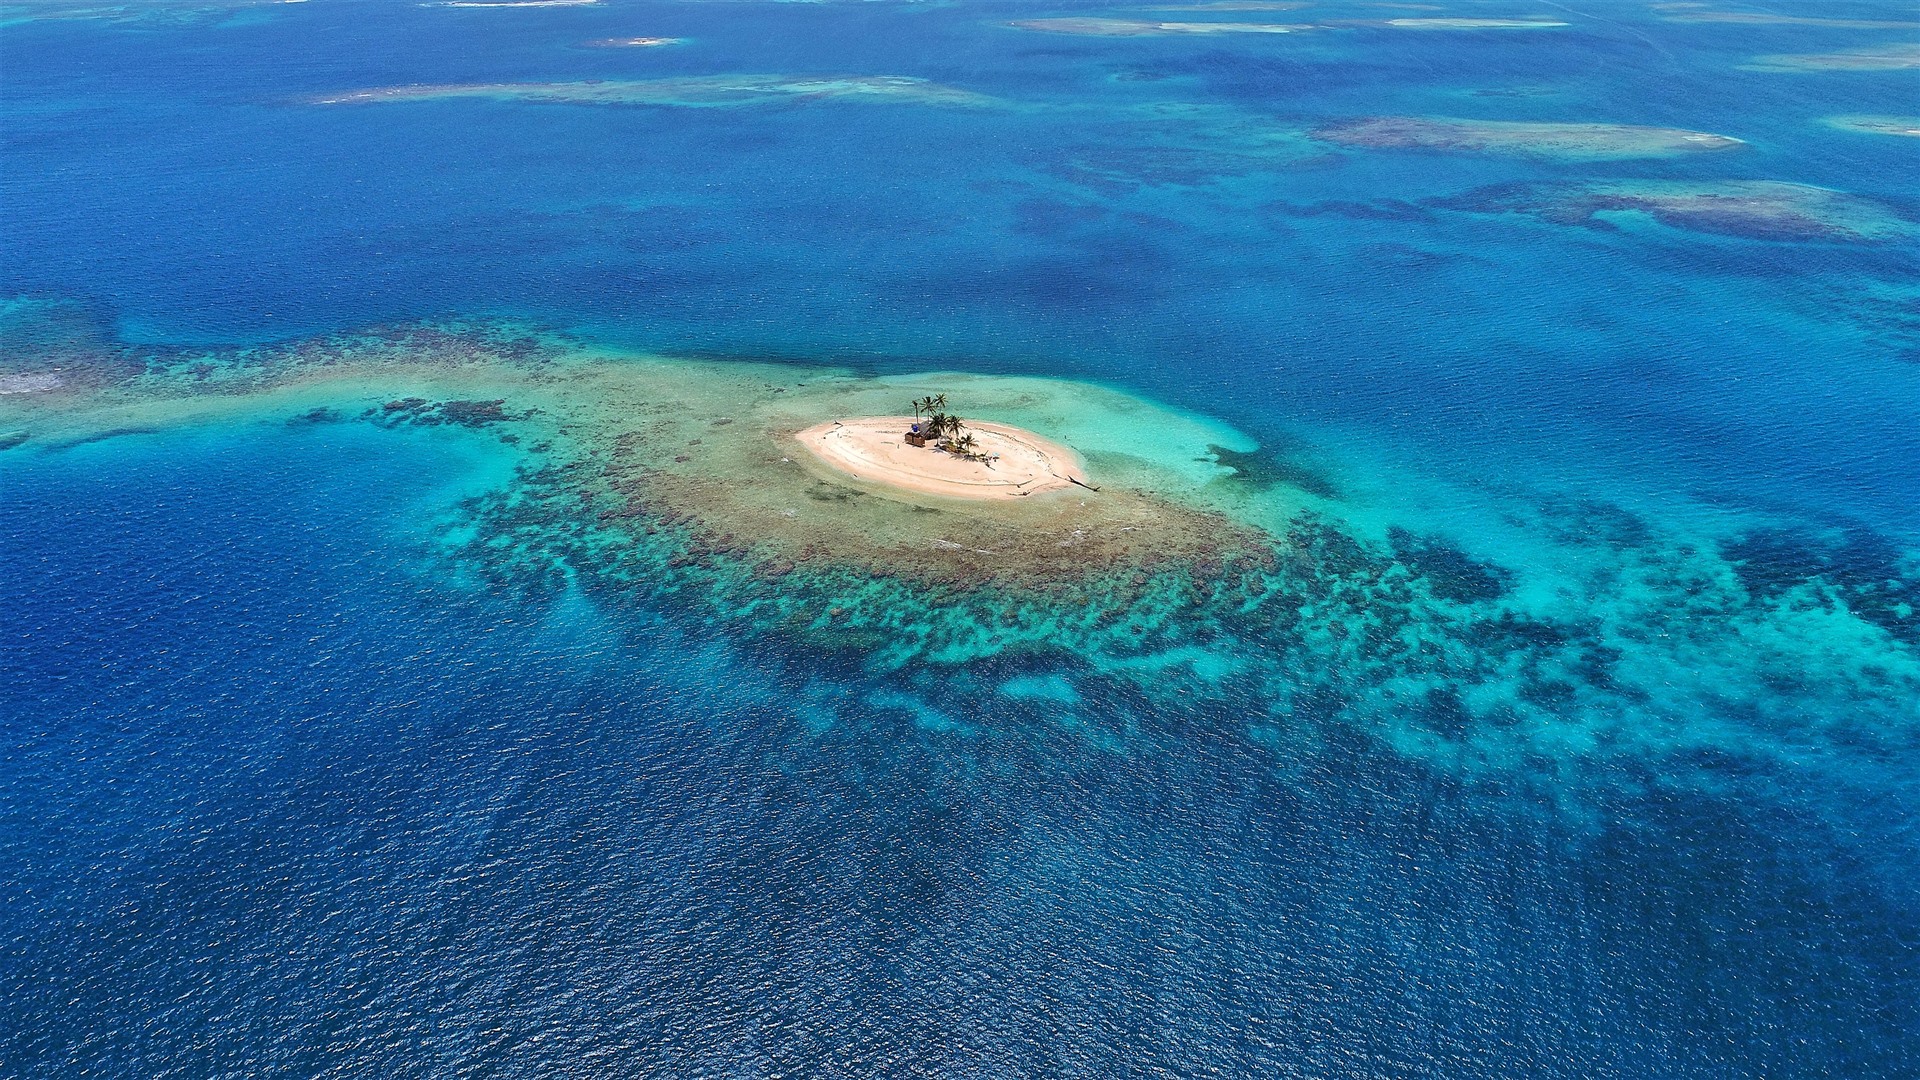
1580 141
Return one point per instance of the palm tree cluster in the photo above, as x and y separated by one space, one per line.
943 427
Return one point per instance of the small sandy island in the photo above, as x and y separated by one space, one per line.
1008 463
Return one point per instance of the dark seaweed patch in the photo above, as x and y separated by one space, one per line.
1269 467
1095 275
68 337
1122 170
1877 580
1512 632
1553 694
1053 217
39 330
474 413
830 494
1402 257
1514 92
1594 664
1743 215
11 439
1451 574
112 433
424 413
1329 551
1378 210
1733 219
1587 521
1445 714
1511 197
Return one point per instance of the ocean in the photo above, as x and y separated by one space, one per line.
1565 722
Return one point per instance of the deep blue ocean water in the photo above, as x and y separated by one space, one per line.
279 794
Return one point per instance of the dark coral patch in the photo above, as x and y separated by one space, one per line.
424 413
1876 579
1269 467
1376 210
67 342
474 413
1451 574
1749 210
316 416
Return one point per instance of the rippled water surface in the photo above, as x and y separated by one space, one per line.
1563 718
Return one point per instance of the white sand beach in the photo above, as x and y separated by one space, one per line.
1011 463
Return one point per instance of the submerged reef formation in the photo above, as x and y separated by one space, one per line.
1753 209
511 3
1098 27
1898 56
692 91
706 447
1172 144
1443 23
1908 126
1684 13
133 13
1590 142
56 350
1206 567
1238 5
636 42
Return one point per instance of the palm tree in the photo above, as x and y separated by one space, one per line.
938 401
923 405
966 444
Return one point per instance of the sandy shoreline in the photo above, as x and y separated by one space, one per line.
874 449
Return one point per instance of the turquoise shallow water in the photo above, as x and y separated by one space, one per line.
1576 737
